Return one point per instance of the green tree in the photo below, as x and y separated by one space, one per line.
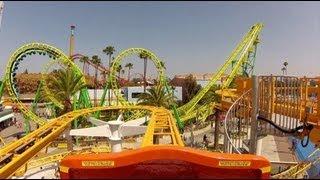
63 86
144 55
109 50
84 60
189 88
97 61
129 66
211 96
156 96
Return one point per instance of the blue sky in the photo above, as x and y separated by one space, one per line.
188 36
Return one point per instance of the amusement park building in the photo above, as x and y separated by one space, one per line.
6 115
130 93
201 78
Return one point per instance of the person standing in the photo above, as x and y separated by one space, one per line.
205 141
293 144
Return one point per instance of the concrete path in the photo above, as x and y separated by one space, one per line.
277 149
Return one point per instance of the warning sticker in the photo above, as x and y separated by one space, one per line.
234 163
97 163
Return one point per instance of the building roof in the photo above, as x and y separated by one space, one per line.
6 114
197 76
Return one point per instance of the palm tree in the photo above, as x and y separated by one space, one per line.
63 86
156 96
109 50
144 55
119 69
84 60
129 66
97 61
285 66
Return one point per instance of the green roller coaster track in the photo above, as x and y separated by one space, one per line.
239 57
13 65
241 61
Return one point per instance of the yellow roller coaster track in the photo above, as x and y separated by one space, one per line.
301 168
34 163
15 155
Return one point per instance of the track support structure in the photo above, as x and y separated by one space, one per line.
254 114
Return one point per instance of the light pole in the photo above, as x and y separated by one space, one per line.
285 64
1 11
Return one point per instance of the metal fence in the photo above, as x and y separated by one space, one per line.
286 102
237 125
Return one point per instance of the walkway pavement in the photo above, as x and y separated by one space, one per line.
9 134
198 135
48 171
277 149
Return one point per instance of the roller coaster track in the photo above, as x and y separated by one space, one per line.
34 163
116 63
112 79
53 158
102 69
18 153
238 57
13 64
15 155
2 141
300 168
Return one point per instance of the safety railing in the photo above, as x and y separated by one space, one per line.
237 125
285 104
299 170
280 102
